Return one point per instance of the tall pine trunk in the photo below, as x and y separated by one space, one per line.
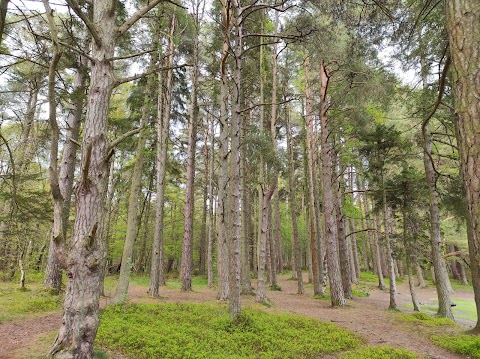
336 288
164 101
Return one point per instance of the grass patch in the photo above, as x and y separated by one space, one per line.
426 319
464 309
206 331
463 344
275 288
360 293
17 304
379 352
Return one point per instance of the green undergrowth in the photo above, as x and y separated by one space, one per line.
379 352
18 304
206 331
464 344
425 319
464 309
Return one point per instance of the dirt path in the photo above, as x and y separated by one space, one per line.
367 317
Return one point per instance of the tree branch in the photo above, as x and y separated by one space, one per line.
136 16
91 27
139 76
115 58
122 138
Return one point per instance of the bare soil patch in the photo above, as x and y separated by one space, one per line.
368 317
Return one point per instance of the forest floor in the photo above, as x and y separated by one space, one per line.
366 316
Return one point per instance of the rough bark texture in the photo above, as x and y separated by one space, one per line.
262 255
439 265
164 101
187 245
463 17
293 210
53 273
222 243
343 250
211 204
336 289
76 336
121 293
317 288
409 261
389 253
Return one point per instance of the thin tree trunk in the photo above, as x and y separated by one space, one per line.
222 244
356 262
336 288
389 254
317 289
293 210
261 292
344 253
164 101
381 283
409 260
53 273
211 204
421 281
3 15
121 293
187 245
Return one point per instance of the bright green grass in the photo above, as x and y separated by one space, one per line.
206 331
17 304
425 319
465 309
379 352
463 344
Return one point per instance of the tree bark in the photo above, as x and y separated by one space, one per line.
121 293
421 281
187 246
222 243
76 336
317 288
463 17
164 101
409 261
336 288
53 271
267 196
211 204
293 209
3 15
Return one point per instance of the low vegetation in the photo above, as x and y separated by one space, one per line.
425 319
206 331
379 352
463 344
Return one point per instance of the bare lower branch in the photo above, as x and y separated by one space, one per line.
139 76
115 58
137 16
122 138
91 27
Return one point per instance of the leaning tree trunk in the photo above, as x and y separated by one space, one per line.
76 336
336 288
164 101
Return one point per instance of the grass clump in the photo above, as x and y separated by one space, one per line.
275 288
464 344
360 293
426 319
379 352
16 304
206 331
